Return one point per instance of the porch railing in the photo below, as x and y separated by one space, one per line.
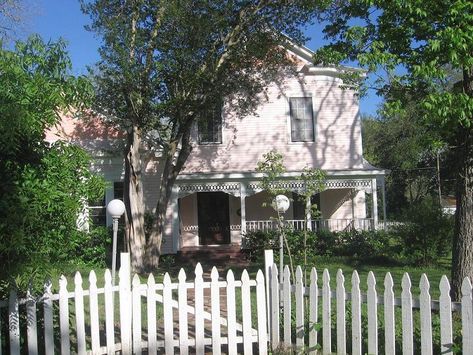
334 225
317 224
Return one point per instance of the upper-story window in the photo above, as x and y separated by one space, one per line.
302 119
210 128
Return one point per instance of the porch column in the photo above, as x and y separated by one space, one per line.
175 219
242 211
308 208
374 195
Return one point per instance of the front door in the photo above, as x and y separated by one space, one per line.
213 217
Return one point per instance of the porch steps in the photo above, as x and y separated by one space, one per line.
218 255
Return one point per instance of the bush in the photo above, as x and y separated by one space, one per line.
358 244
425 233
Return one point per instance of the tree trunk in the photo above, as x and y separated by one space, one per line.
462 256
133 196
172 167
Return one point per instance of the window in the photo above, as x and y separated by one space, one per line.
98 209
302 120
210 127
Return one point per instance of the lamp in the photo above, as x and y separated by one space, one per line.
115 208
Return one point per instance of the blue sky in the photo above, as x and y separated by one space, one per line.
62 18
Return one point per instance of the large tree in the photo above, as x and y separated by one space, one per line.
166 64
419 44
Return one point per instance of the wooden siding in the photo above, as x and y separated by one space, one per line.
245 139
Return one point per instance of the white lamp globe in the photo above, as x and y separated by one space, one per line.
116 208
281 203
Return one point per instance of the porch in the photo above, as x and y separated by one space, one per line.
219 209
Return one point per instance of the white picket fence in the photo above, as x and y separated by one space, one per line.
320 301
197 312
235 316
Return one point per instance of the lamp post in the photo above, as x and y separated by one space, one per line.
115 208
280 205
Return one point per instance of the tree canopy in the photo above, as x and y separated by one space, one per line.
417 48
43 186
165 64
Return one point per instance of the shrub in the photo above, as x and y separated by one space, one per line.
358 244
425 233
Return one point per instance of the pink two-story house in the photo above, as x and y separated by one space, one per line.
309 118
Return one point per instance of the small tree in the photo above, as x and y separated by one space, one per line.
314 182
272 166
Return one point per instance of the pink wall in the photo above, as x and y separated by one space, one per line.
245 139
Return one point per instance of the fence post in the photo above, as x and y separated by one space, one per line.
125 302
268 263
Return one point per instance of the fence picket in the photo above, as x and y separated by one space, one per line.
286 294
356 314
94 313
246 312
261 309
63 316
274 308
326 313
183 325
467 316
31 327
446 332
425 316
136 315
167 314
125 302
79 308
407 321
389 321
109 313
313 311
300 331
372 297
199 310
14 323
341 331
48 318
215 311
268 262
231 314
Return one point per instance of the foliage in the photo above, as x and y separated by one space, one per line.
405 146
425 234
360 245
43 186
272 167
425 51
165 64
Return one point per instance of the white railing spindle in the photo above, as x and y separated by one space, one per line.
31 324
